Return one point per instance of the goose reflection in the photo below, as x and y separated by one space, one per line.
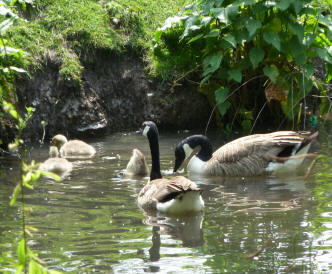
188 230
260 194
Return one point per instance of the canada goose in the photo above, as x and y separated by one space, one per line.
177 195
56 165
72 148
137 164
251 155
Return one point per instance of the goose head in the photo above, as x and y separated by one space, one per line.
150 129
188 145
59 140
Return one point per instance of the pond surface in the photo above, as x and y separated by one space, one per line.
90 222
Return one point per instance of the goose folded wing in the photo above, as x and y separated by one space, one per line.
257 145
174 188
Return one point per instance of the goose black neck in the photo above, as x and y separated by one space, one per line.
154 148
205 153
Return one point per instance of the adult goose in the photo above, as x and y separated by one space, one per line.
59 166
176 195
252 155
72 148
137 165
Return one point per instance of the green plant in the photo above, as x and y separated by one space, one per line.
235 41
10 61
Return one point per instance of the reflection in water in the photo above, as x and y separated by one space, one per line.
90 221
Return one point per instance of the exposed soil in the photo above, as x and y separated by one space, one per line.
116 95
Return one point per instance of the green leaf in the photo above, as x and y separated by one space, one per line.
308 69
252 26
6 24
235 74
298 4
256 55
272 38
211 63
221 95
21 252
271 72
323 53
34 267
206 20
19 269
298 30
328 68
199 36
212 33
16 191
51 175
230 39
283 4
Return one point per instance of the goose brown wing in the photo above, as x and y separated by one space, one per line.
258 144
163 190
250 155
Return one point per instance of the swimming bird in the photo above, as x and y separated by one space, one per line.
73 148
176 195
59 166
137 165
258 154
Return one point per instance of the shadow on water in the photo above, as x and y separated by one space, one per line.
90 221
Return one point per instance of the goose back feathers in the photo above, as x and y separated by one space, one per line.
177 195
247 156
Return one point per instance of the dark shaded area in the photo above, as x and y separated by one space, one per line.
115 95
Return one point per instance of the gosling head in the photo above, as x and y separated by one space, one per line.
59 140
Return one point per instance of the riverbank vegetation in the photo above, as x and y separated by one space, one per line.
254 60
72 31
227 45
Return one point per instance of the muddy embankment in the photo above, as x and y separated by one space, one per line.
115 95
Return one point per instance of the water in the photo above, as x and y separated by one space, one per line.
90 221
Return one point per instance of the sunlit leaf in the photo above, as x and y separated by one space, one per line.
16 191
19 269
51 175
21 252
256 55
6 24
272 72
206 20
35 268
19 70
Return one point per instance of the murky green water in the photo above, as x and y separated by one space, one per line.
90 221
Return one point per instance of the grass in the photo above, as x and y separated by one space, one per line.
72 30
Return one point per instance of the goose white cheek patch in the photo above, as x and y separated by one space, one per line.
146 130
187 150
